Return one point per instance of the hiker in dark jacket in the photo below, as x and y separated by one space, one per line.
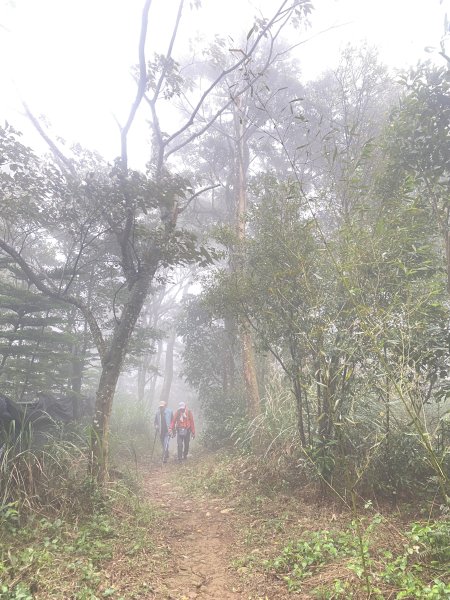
183 425
163 419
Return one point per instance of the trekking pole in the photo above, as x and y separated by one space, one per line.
154 442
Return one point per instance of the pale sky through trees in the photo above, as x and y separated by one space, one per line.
70 59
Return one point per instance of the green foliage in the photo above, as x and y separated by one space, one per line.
356 322
35 343
9 516
84 233
58 529
401 466
173 81
421 127
300 559
425 556
209 365
269 443
410 574
68 556
431 541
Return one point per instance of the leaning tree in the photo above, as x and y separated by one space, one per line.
110 220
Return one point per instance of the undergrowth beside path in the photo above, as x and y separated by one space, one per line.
110 551
210 529
290 544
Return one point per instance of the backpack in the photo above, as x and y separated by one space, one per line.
182 422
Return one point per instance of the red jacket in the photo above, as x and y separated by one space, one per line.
183 419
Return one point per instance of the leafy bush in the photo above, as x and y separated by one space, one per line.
300 559
401 466
271 440
420 570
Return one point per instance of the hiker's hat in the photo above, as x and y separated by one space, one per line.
181 405
162 403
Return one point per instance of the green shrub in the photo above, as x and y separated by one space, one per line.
419 571
401 466
300 559
65 557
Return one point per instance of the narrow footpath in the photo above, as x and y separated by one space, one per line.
199 537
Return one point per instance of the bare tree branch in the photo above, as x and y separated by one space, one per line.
158 86
269 61
281 11
84 243
312 37
142 83
201 131
63 161
169 51
196 195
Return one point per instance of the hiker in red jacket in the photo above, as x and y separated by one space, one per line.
183 425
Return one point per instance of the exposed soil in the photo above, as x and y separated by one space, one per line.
200 539
211 541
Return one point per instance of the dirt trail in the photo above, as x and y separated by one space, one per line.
200 541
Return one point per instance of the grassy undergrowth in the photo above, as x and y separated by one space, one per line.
63 537
292 544
110 551
337 564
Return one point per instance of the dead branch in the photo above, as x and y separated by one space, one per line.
63 161
142 83
196 195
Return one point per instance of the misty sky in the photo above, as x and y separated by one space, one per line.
70 59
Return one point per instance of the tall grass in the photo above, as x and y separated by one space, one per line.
272 437
360 457
51 478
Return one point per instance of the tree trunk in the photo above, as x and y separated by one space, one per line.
248 357
111 368
76 381
168 369
154 380
78 363
142 379
229 366
326 417
251 383
328 378
447 255
299 406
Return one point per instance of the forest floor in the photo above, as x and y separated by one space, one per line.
216 528
200 535
231 534
223 533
